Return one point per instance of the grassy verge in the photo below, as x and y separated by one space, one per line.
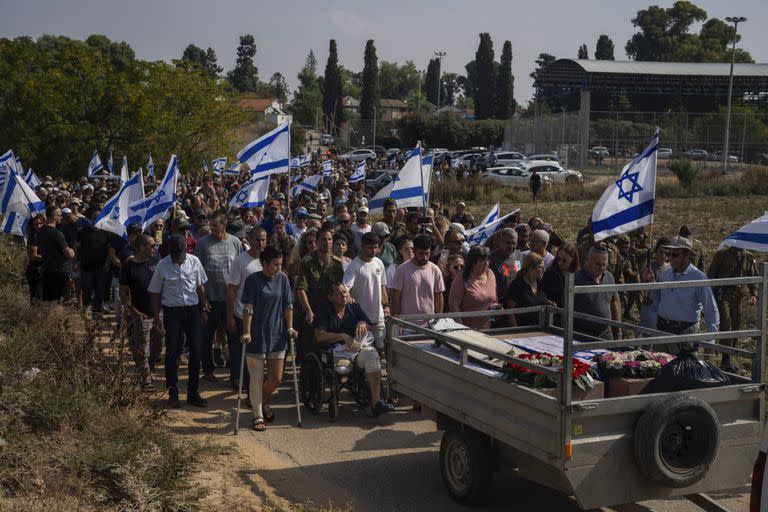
75 433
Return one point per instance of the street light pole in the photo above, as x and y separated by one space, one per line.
418 98
439 56
735 21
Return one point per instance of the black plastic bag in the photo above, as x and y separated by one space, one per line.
687 372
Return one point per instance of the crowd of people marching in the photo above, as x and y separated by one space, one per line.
320 269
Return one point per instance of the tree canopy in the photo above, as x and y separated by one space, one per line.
485 87
332 90
245 76
505 102
604 48
308 97
583 52
369 98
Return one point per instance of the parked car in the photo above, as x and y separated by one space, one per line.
555 171
664 153
718 157
513 176
358 155
696 154
467 158
380 151
326 139
376 180
550 157
599 152
506 158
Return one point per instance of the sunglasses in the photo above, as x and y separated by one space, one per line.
457 267
674 254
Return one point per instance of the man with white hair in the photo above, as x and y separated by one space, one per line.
538 242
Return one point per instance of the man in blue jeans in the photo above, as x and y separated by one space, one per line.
177 286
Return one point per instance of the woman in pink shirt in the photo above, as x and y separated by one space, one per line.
474 289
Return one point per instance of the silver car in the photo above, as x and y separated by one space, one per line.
514 176
358 155
555 171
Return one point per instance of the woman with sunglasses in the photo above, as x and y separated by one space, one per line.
474 289
454 266
526 291
553 282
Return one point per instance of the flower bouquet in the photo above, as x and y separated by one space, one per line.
583 376
636 364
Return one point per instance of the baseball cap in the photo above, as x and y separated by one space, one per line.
362 209
134 227
381 229
461 203
66 211
180 223
301 212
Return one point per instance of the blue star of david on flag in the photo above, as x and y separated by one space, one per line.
634 185
241 196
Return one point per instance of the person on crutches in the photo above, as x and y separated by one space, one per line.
267 297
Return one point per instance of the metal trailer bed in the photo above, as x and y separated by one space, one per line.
582 448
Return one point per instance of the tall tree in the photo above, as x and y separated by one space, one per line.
396 80
332 90
370 96
451 88
308 98
279 87
485 94
583 52
195 57
505 102
245 76
211 62
542 62
604 48
432 80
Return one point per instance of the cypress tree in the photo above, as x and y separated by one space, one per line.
332 89
432 80
583 52
369 98
486 78
604 48
505 102
245 76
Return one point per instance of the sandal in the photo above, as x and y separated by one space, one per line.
259 425
269 413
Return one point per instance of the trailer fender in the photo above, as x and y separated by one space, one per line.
676 440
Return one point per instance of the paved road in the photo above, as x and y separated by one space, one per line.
373 464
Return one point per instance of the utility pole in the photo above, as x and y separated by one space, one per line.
439 56
735 21
418 91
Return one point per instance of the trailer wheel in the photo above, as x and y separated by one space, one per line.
466 466
676 440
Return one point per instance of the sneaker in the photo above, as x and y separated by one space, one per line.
148 384
218 357
196 400
173 398
382 407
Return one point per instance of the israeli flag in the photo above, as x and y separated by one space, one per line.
327 167
233 171
359 174
269 154
301 161
7 173
32 180
492 215
252 194
753 236
376 203
95 164
411 185
153 207
150 167
124 174
309 184
111 165
478 235
219 164
628 203
20 203
114 216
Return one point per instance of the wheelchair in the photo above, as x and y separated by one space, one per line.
322 379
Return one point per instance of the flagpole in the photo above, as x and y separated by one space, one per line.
421 176
288 185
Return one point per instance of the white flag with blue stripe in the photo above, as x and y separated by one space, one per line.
411 185
252 194
492 215
115 214
309 184
95 165
219 164
376 203
124 174
301 161
19 203
111 165
359 174
7 172
232 171
327 167
156 204
269 154
753 236
150 167
481 233
32 180
628 203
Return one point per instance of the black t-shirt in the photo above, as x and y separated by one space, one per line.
51 245
123 250
32 242
93 249
520 292
137 276
327 319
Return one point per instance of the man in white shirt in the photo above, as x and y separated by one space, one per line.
245 264
178 287
360 227
366 281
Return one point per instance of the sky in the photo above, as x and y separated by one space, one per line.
286 31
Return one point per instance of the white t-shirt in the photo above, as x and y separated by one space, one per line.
364 281
243 266
359 231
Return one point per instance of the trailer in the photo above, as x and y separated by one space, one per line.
601 451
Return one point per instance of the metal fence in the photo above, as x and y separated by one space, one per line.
365 132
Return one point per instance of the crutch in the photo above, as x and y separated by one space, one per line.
239 388
295 378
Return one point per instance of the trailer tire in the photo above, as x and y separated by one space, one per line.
466 465
676 440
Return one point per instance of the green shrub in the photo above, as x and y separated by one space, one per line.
685 171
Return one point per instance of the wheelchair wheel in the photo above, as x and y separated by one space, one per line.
312 383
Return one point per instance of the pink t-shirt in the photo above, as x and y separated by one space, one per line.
418 287
474 297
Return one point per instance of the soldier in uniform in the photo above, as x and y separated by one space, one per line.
641 246
630 273
686 230
732 262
